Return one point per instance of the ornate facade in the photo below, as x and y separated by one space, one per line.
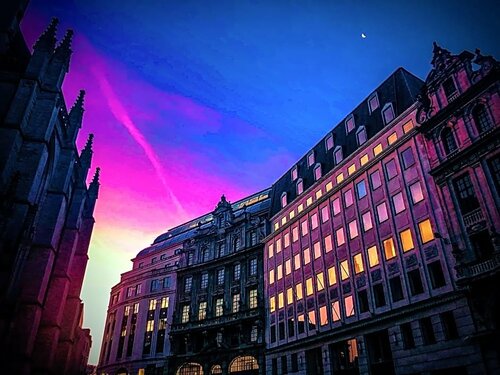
46 206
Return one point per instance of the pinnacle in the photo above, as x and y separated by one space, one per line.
48 37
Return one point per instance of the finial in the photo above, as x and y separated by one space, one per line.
86 154
64 48
441 56
48 37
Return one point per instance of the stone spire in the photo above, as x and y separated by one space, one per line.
63 50
92 194
94 185
47 41
86 157
43 50
76 116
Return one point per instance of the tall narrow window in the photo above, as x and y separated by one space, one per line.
382 212
361 135
416 192
481 118
375 180
283 199
294 173
310 158
389 248
317 171
398 203
329 142
466 195
202 310
300 186
391 169
219 306
448 140
408 159
236 303
338 155
449 88
349 124
372 256
388 113
373 103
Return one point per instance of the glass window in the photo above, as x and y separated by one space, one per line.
279 272
389 248
272 304
481 118
344 270
270 250
286 240
392 138
339 234
335 311
340 178
391 169
332 277
295 234
311 315
373 102
289 296
236 302
304 227
253 266
281 302
349 124
283 200
372 256
307 256
353 229
309 286
318 194
278 245
296 261
237 271
317 172
288 266
300 186
310 159
329 186
466 194
351 169
377 149
349 306
336 206
295 173
329 142
406 240
367 221
187 284
338 155
358 263
408 126
361 189
323 316
271 276
320 281
317 250
426 233
166 282
314 221
388 113
416 192
382 212
398 203
408 159
348 199
375 180
328 243
309 201
449 87
364 159
185 314
361 135
324 214
298 291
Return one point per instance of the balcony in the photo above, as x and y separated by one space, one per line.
480 269
473 218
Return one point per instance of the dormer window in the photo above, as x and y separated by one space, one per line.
283 200
300 186
310 158
361 135
349 124
295 173
329 142
449 88
338 155
317 172
373 103
388 113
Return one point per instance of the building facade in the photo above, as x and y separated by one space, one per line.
360 267
46 207
218 326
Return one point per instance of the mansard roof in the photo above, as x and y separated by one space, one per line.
400 89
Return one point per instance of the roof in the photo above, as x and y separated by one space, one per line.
400 88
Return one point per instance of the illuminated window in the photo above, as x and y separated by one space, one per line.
283 220
382 212
304 227
237 271
377 149
309 287
340 178
364 159
349 124
406 240
270 251
361 135
314 221
426 233
332 276
336 206
335 311
152 304
353 229
408 126
272 304
373 102
188 282
311 315
281 302
286 240
236 302
372 256
295 234
278 245
295 173
288 267
392 138
185 314
219 307
300 208
323 316
329 142
253 299
298 291
344 270
328 243
317 172
358 263
351 169
300 186
320 281
398 203
339 234
367 221
329 186
276 227
388 113
307 256
361 189
389 248
319 194
349 306
292 214
271 276
296 261
279 272
309 201
289 296
324 214
283 200
416 193
348 199
164 302
317 250
390 169
310 159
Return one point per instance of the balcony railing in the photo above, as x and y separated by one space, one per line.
482 268
473 218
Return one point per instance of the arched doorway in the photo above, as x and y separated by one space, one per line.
191 368
244 365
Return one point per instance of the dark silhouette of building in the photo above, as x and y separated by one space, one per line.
46 207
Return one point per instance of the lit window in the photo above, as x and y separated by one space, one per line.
317 250
319 194
310 159
375 180
349 124
344 270
339 235
340 178
237 271
388 113
361 136
187 284
309 201
348 199
324 214
289 296
328 243
358 263
406 240
307 256
309 287
279 272
311 315
332 276
253 298
219 307
426 233
164 302
353 229
288 267
364 159
329 186
270 251
349 306
335 311
373 102
351 169
295 173
361 189
398 203
283 220
323 316
314 221
329 142
338 155
336 206
281 302
298 291
382 212
300 208
300 186
320 282
271 276
392 138
236 303
389 248
283 200
377 149
304 227
408 126
367 221
185 314
416 192
272 304
278 245
296 261
202 310
276 227
292 214
372 256
317 172
152 304
286 240
295 234
391 169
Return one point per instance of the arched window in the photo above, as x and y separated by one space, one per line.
216 369
283 199
191 368
361 135
317 171
481 118
338 155
448 140
243 364
300 186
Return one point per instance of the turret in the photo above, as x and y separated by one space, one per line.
76 116
43 50
59 63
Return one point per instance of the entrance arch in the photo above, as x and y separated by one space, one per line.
244 365
190 368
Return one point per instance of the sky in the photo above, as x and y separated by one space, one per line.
189 100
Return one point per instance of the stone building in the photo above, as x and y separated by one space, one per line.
46 207
218 325
360 269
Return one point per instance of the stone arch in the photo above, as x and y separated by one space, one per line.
190 368
245 364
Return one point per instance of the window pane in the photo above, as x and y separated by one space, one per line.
382 212
328 243
320 281
398 203
349 306
426 233
317 250
307 256
323 316
406 240
336 206
335 311
332 277
375 180
339 234
377 149
325 214
309 287
348 199
358 263
298 291
389 249
304 227
361 189
367 221
391 170
392 138
373 256
408 159
388 114
353 229
296 261
351 169
416 192
344 270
